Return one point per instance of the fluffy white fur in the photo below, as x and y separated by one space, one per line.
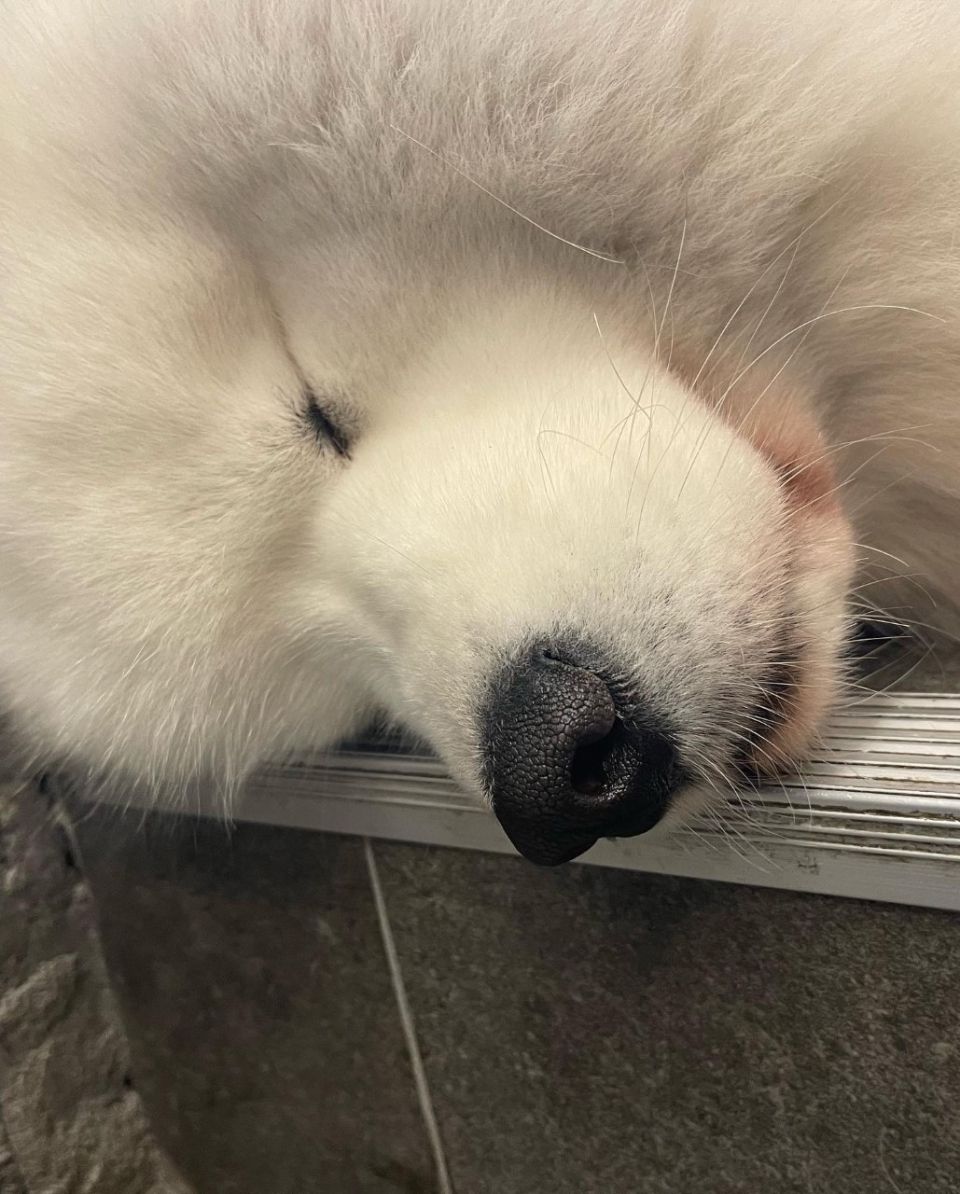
639 314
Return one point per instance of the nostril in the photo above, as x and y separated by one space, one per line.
590 765
548 655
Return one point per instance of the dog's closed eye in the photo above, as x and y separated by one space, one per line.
322 425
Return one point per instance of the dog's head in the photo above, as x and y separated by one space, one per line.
239 520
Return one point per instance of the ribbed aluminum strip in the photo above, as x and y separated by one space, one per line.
876 814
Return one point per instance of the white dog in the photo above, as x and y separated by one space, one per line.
546 377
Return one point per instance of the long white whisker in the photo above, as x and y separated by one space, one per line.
503 203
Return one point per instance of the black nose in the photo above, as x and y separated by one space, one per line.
565 766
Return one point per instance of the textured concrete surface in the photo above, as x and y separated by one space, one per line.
71 1121
263 1024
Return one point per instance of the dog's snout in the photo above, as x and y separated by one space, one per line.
566 765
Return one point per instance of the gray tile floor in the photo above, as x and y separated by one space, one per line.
264 1025
581 1030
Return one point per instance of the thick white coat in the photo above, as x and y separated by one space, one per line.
629 308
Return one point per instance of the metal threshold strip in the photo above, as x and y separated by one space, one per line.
875 815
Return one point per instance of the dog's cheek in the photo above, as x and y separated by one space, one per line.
777 419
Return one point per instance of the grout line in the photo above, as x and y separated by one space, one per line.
444 1185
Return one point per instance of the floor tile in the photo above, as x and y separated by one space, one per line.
264 1028
596 1032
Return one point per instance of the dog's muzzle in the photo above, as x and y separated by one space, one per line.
565 766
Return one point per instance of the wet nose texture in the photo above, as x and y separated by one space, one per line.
565 766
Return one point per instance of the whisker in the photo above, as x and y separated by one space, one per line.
503 203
